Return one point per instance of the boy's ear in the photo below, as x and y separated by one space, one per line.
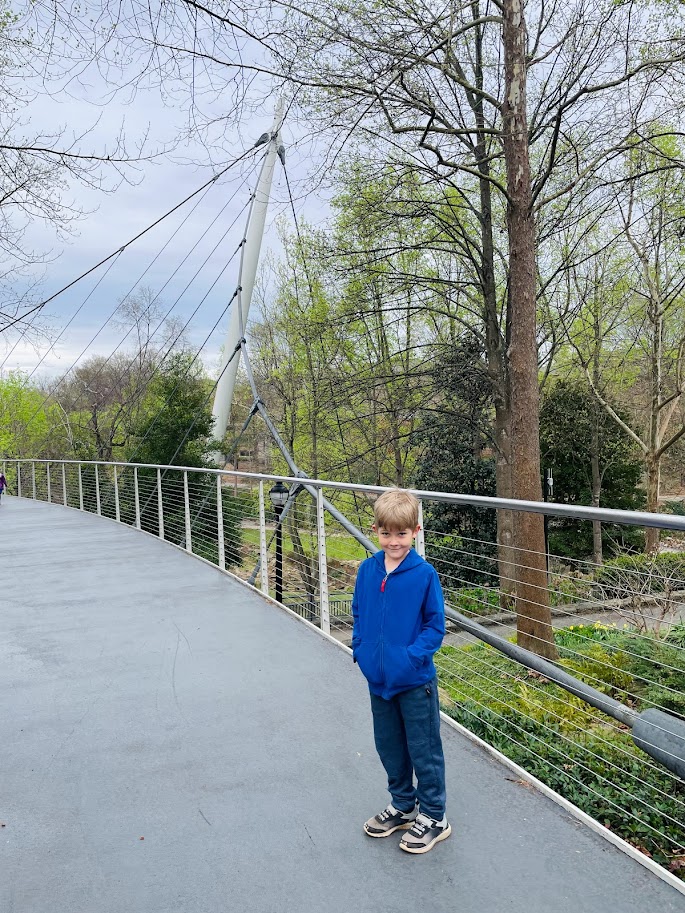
417 530
374 527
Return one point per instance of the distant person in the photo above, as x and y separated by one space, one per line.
3 484
399 623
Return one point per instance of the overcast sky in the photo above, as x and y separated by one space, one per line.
112 219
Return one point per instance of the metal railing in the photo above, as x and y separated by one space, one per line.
619 628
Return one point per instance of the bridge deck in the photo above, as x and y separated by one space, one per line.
144 694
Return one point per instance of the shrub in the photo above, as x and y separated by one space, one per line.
563 742
475 600
567 590
459 560
582 773
627 575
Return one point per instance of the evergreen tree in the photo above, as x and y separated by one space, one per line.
461 541
574 431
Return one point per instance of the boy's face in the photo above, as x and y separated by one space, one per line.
396 543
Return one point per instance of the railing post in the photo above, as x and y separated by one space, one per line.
263 557
186 503
33 479
80 488
18 479
420 537
117 509
97 491
220 524
160 507
64 485
324 611
49 486
137 495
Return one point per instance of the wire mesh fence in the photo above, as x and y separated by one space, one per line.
619 626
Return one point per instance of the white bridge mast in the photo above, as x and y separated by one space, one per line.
223 398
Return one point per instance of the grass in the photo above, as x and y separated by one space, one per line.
339 548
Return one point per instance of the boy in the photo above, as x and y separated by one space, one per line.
399 623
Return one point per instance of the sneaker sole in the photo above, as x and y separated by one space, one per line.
398 827
429 846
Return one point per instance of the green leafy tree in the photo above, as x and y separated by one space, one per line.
462 541
176 430
581 443
177 421
30 425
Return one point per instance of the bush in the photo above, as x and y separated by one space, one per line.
573 538
564 743
639 814
475 600
627 575
458 560
567 590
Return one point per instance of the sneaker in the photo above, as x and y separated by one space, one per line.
424 834
388 821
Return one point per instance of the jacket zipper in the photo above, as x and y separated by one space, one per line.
385 580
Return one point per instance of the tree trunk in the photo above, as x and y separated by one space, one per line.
653 486
534 621
656 432
495 353
505 518
597 552
597 556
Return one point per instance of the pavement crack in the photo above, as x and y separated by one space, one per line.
184 638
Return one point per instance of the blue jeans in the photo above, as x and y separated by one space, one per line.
407 734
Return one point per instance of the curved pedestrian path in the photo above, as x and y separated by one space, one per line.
173 743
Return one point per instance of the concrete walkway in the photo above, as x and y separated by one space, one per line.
144 694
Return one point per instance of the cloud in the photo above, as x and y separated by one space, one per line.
187 258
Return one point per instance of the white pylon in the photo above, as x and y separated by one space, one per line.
223 397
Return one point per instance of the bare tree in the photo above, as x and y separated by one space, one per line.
635 309
103 396
532 100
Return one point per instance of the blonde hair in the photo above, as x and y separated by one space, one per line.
396 509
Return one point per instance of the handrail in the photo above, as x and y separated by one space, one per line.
548 508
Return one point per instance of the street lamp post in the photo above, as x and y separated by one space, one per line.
279 497
548 494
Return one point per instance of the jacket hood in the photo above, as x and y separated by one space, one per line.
412 559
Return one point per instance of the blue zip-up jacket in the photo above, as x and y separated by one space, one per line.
399 623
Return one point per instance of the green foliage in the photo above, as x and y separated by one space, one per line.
575 772
677 508
606 670
626 575
571 423
570 588
476 600
676 635
177 411
30 425
460 540
559 739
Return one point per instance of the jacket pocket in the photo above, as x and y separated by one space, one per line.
399 669
368 656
